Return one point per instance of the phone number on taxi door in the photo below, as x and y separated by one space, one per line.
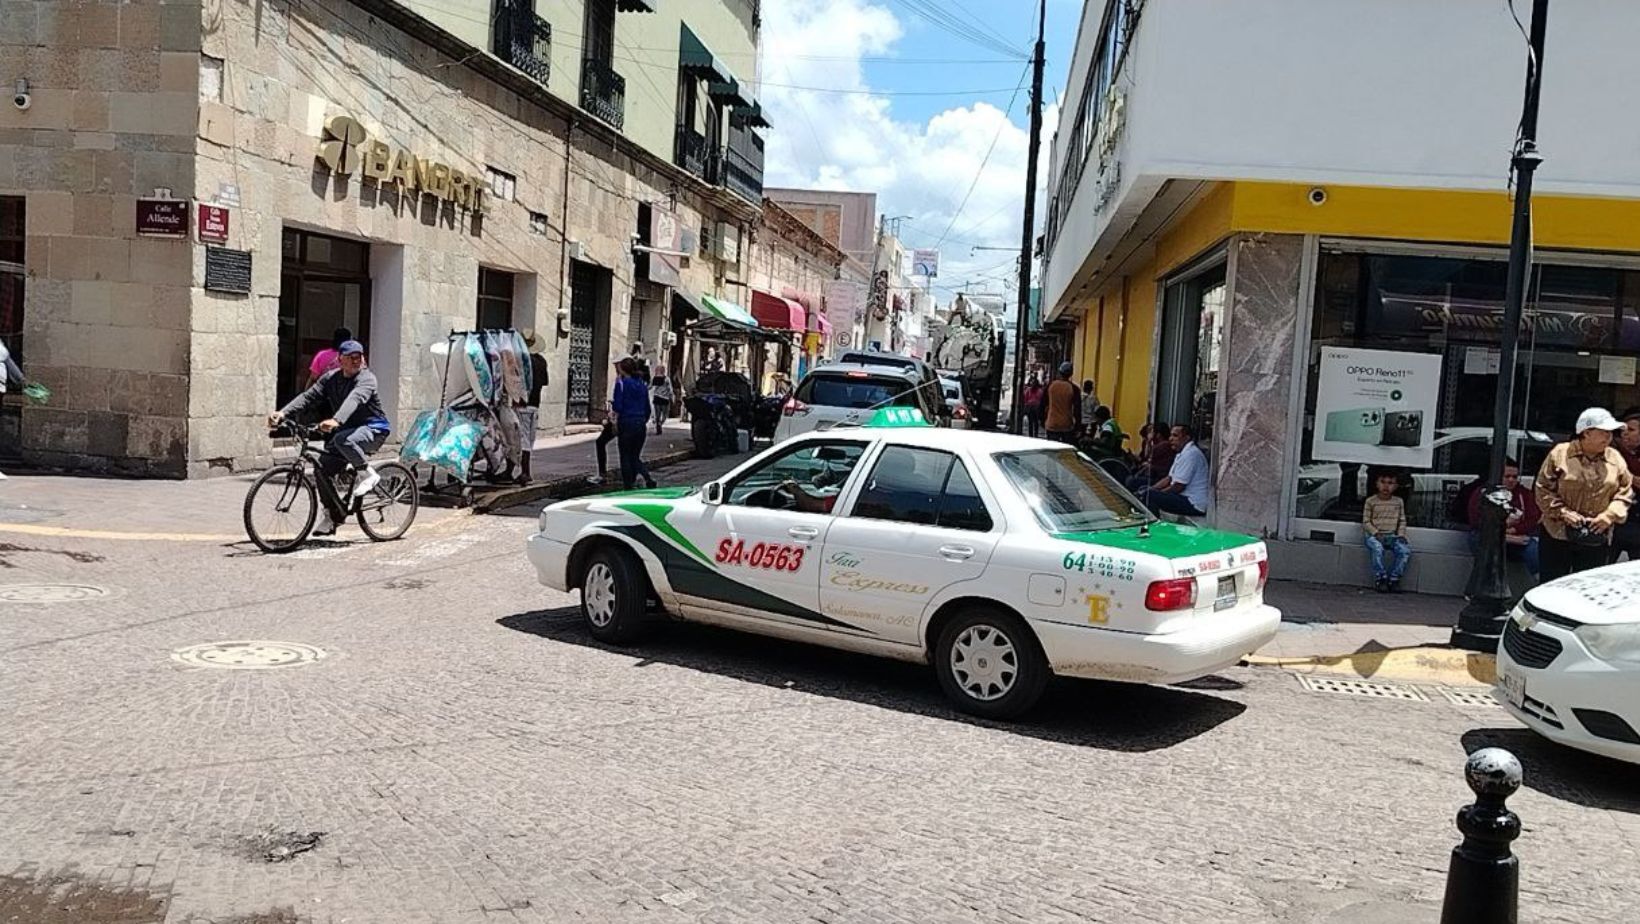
770 555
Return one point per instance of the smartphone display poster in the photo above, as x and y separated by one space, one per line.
1376 407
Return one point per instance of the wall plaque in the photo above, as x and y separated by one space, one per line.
228 270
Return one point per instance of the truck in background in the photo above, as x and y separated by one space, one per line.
970 347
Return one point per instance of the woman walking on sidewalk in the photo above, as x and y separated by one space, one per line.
631 406
660 392
1584 489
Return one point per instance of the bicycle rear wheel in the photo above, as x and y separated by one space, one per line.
390 507
280 509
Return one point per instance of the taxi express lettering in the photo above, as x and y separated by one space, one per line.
770 555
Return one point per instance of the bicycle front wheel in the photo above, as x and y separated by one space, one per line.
390 507
280 509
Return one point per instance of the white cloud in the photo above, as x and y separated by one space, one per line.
852 141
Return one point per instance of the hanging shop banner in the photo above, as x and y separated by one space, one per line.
1376 407
878 301
845 302
925 263
665 233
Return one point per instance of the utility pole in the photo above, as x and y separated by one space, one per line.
1027 248
1480 623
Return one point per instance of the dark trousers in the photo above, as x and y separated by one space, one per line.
1063 436
601 446
662 408
1169 502
1558 558
631 435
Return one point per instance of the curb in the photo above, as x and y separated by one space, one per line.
1425 664
561 488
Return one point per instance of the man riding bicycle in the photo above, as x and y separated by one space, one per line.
356 424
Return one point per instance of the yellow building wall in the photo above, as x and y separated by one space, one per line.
1116 345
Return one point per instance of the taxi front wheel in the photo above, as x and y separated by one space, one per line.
990 664
614 592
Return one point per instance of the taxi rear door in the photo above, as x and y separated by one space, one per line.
918 525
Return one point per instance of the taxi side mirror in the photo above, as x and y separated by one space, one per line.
713 492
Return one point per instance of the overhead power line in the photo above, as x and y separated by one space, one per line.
973 33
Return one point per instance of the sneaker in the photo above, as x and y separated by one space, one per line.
1394 587
1381 585
365 481
595 479
324 526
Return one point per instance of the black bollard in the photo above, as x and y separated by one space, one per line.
1483 882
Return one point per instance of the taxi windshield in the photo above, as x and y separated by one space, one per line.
1069 492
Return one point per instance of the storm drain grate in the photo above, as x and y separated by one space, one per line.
252 655
1349 686
50 593
1470 697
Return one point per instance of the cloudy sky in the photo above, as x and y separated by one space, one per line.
875 96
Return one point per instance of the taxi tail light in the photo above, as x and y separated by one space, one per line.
794 408
1177 594
1263 573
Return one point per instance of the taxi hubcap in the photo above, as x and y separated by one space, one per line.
984 662
598 594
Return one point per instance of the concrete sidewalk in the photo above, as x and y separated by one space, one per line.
1356 632
211 509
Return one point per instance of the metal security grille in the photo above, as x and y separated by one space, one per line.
1349 686
582 308
1528 648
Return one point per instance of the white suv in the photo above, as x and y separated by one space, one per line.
848 394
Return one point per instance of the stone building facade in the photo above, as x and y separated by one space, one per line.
512 206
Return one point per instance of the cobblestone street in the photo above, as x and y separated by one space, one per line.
469 754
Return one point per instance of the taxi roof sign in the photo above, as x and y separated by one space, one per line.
898 417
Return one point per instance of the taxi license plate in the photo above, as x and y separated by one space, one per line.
1227 593
1514 687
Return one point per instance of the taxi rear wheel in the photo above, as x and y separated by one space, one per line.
990 664
614 594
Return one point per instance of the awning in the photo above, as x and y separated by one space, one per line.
727 92
776 313
818 322
695 59
725 310
684 299
753 116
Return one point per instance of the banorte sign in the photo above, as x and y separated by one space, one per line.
347 148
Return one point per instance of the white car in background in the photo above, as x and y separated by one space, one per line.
999 560
848 394
956 409
1569 662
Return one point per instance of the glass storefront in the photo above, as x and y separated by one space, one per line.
324 285
1192 344
1578 342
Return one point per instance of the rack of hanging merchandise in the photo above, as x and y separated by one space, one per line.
484 375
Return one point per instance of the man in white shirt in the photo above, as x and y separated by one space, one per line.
1184 490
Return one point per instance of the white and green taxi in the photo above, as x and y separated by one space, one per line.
1001 560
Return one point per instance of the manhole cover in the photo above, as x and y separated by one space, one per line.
1474 697
253 655
50 593
1349 686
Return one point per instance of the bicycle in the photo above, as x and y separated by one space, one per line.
286 497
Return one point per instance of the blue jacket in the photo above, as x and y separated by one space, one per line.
631 401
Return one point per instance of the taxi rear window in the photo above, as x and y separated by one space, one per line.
1068 492
856 391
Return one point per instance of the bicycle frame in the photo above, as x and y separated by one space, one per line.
311 458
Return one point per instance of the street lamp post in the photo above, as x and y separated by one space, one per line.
1480 623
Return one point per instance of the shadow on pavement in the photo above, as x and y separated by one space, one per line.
1111 716
1564 773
